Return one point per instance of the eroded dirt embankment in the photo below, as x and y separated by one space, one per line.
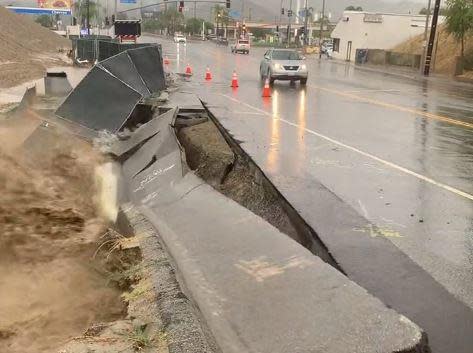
50 287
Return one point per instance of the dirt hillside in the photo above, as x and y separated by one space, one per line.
26 48
448 48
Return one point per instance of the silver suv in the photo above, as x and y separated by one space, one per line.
284 64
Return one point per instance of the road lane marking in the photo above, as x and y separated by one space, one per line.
366 154
375 91
394 106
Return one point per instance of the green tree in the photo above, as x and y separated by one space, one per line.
45 21
353 8
171 20
209 25
442 11
194 25
221 16
260 32
459 20
80 10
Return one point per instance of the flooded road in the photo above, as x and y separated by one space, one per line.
380 166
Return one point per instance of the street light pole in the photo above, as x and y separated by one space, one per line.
321 28
306 20
289 26
88 17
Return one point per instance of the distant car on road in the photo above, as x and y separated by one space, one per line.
284 64
179 38
327 49
241 46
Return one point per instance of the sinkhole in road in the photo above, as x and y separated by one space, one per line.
215 156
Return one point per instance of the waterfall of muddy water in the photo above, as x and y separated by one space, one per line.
50 289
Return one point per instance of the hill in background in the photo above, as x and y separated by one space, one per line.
27 48
448 48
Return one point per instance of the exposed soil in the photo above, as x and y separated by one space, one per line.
27 49
209 155
49 231
448 48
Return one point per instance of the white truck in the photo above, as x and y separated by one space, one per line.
241 46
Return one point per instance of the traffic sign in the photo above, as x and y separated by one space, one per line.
234 14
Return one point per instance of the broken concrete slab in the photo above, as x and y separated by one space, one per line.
146 154
185 101
158 175
144 132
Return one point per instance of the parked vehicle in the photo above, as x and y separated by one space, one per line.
327 49
179 38
241 46
284 64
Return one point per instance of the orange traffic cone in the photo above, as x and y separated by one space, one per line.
234 80
188 70
208 74
266 89
166 60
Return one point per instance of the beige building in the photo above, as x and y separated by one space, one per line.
369 30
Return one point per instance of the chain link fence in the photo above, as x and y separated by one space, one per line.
100 48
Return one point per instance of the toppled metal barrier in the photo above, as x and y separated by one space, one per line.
107 96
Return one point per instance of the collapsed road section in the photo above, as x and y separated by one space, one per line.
359 248
257 289
244 285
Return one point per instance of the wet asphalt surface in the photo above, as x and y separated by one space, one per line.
393 151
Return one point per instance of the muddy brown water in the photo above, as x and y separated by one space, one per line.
50 287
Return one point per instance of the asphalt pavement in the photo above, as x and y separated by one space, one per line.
395 151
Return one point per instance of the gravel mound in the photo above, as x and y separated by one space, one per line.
27 48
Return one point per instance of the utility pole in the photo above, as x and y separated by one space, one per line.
321 29
426 31
88 17
195 10
289 12
306 20
433 32
280 13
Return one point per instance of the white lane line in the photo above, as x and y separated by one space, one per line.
363 208
380 160
374 91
